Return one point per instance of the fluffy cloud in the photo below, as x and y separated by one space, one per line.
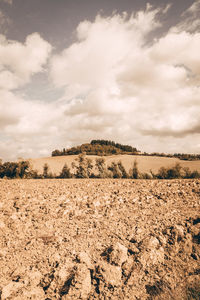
190 19
112 73
21 119
94 60
27 127
118 84
18 62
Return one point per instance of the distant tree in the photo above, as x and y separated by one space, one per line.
56 153
65 173
186 172
124 174
145 176
1 171
82 166
152 174
174 172
89 167
195 174
97 147
134 172
33 174
162 173
10 169
46 170
171 172
115 170
101 167
24 167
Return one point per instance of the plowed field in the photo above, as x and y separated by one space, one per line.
99 239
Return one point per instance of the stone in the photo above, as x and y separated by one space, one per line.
33 293
179 231
161 238
118 255
83 257
133 249
80 285
64 272
153 257
153 243
10 290
35 278
111 274
152 253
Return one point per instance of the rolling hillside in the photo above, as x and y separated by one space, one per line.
145 163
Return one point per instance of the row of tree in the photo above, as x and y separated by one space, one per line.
125 148
181 156
84 167
107 147
14 169
97 147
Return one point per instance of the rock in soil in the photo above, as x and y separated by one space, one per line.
99 239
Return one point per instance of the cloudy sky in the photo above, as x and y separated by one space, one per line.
72 71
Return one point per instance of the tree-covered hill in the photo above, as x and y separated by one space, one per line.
98 147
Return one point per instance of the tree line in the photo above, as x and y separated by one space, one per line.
181 156
97 147
107 147
84 167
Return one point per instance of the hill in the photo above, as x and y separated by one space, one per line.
97 147
107 147
145 163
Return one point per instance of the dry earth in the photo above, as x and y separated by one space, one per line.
145 163
99 239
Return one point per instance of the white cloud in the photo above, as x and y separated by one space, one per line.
18 62
117 86
187 51
190 19
21 119
151 89
100 48
194 8
28 125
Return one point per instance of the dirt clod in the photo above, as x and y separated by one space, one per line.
99 239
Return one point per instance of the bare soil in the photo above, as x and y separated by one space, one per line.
99 239
145 163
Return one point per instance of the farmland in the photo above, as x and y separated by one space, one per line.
99 239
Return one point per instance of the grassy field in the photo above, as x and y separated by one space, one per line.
145 163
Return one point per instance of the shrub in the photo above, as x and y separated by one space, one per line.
46 171
174 172
82 166
195 174
65 173
134 172
115 170
101 168
145 176
124 174
170 173
162 173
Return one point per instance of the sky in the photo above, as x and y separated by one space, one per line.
73 71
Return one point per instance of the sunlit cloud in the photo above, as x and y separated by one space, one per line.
116 86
